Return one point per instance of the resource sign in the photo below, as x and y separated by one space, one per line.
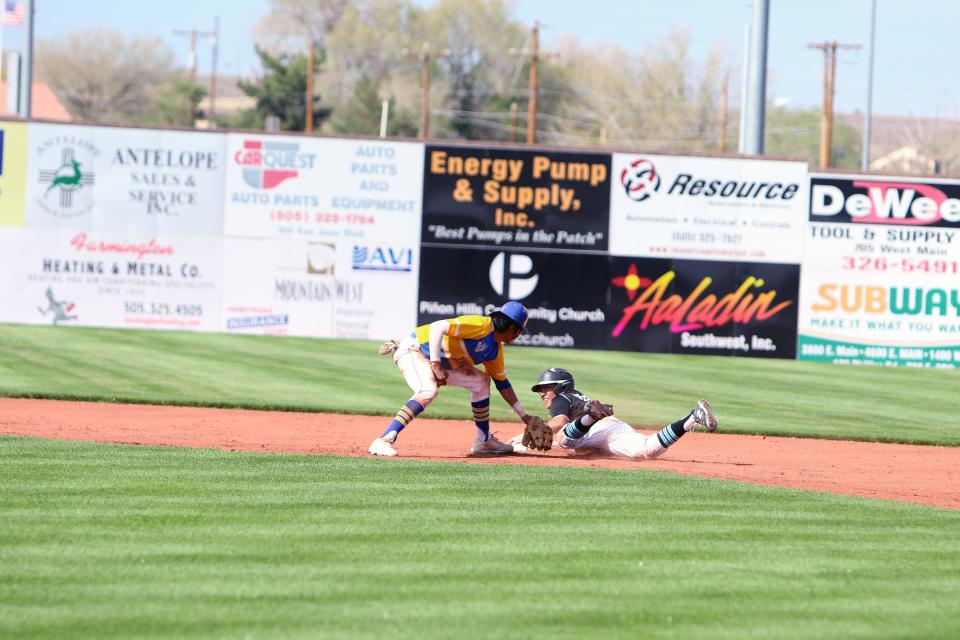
707 208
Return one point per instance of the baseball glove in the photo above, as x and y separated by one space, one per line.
537 435
598 410
388 347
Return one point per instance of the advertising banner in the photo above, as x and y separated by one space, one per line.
13 172
318 288
620 303
880 273
719 209
323 236
323 189
134 181
566 298
707 308
106 280
480 196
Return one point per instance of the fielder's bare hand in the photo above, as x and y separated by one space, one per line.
438 373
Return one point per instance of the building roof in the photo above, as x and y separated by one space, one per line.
45 104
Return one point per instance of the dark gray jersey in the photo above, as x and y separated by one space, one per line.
570 404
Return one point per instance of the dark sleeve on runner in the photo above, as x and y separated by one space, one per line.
560 407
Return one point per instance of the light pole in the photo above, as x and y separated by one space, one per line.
757 83
868 116
26 71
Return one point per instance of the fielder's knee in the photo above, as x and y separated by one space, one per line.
478 396
479 383
425 397
473 380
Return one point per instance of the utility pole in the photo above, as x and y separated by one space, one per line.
724 106
426 60
745 85
829 85
513 121
309 97
192 57
193 34
425 91
534 84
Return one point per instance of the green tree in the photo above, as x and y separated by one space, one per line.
469 40
361 114
795 133
282 90
662 97
247 119
176 103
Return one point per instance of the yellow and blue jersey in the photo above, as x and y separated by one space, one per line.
469 342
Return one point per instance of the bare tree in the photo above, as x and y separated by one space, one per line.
291 23
936 143
368 42
101 76
660 98
476 37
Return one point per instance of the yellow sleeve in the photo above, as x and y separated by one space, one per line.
495 368
470 327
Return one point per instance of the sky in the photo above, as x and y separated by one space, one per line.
916 47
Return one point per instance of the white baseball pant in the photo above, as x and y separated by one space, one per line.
616 436
416 371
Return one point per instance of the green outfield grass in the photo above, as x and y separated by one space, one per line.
775 397
112 541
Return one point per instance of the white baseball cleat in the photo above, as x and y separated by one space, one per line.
491 446
703 416
381 447
517 443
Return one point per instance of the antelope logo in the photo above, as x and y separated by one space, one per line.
72 180
67 179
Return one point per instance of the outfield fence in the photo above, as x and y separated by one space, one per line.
365 238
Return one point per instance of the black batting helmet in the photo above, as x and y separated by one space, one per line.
562 378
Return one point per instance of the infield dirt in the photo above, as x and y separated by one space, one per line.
907 473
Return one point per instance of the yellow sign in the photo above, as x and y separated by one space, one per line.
13 173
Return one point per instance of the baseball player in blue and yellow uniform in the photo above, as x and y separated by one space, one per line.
570 417
446 352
